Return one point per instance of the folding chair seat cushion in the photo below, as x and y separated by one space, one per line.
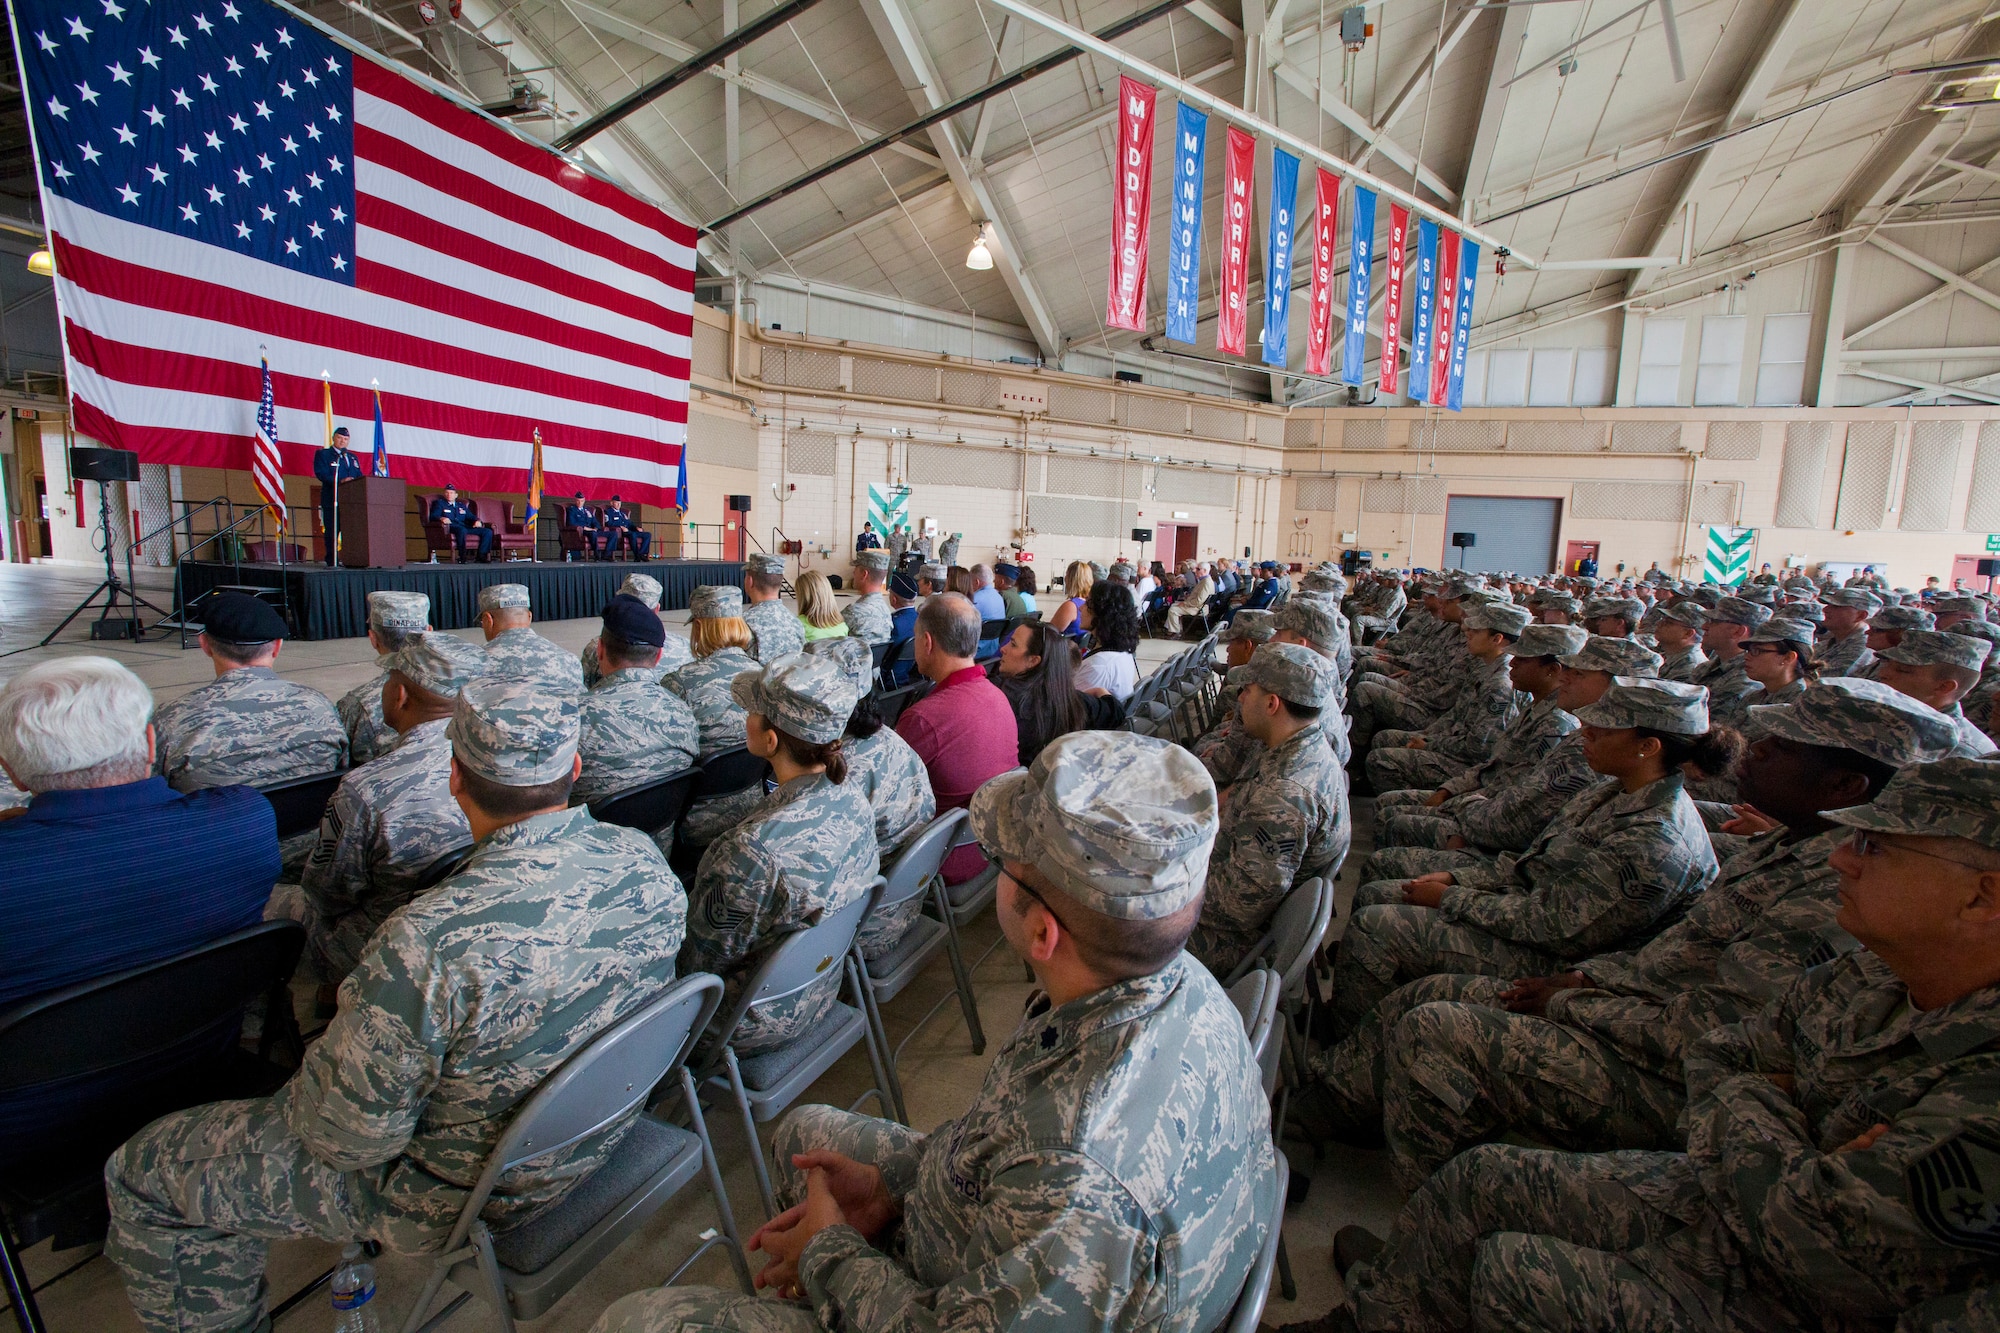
825 1040
925 936
653 1156
974 893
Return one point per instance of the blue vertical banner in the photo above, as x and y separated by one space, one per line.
1184 235
1461 324
1354 349
1278 256
1423 310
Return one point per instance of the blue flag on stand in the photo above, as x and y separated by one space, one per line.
1184 228
681 483
381 440
1461 324
1278 257
1424 310
1354 350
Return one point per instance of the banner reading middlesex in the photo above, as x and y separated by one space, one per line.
1184 237
1131 206
1392 297
1326 235
1278 257
1354 349
1447 311
1240 166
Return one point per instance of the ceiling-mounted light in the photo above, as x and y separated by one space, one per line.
42 262
979 257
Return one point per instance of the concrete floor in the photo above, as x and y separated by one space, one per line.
939 1071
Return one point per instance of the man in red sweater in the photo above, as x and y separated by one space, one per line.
964 729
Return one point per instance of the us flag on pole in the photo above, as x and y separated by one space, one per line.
221 174
264 459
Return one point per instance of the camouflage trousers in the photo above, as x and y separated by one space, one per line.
1505 1238
1388 945
1396 767
698 1309
1219 948
1377 704
1405 862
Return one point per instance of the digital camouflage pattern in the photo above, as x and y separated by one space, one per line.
505 597
1503 819
870 618
247 727
703 685
807 849
1845 655
1657 705
514 733
388 823
368 732
466 1000
522 654
775 629
632 731
888 772
1730 690
1535 731
1466 734
1117 1160
807 695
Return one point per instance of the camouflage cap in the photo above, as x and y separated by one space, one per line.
1866 716
1257 626
765 565
1762 594
1782 629
399 611
1812 611
1098 573
711 602
1547 641
1738 611
514 732
1630 608
1953 798
1902 618
1656 705
1930 647
1293 672
1685 613
644 587
1620 657
1959 605
851 655
1710 598
444 664
936 573
1551 599
1124 569
1978 629
1500 617
1859 599
875 560
1120 822
810 697
1310 619
1799 583
504 597
1319 580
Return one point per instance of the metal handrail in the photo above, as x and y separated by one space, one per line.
235 562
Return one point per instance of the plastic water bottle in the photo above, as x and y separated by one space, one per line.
354 1293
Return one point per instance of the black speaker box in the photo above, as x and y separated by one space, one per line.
1465 539
103 465
1142 534
739 504
1988 569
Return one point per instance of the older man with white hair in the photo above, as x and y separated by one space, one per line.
1193 602
109 867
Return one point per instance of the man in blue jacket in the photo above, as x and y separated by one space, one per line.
332 465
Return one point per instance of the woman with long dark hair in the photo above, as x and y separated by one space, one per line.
1113 622
1035 675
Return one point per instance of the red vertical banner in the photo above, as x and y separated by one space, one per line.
1392 298
1241 166
1326 240
1131 206
1447 310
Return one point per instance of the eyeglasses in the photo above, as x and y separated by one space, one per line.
1861 844
1029 890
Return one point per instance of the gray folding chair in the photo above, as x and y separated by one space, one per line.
523 1271
915 873
1256 999
1249 1309
764 1085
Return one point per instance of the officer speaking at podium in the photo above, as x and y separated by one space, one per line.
332 465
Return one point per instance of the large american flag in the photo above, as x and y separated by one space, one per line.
220 175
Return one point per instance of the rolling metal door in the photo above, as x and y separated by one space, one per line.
1517 535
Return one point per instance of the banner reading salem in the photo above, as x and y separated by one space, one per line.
1230 318
1131 206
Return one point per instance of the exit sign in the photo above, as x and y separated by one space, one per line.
1993 541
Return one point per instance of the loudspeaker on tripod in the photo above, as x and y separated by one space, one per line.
103 464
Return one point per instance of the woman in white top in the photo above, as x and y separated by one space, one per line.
1109 667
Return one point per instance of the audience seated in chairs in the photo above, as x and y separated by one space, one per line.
1034 673
964 729
819 612
1113 623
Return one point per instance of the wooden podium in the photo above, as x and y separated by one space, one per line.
372 523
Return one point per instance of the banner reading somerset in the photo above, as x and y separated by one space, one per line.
1131 206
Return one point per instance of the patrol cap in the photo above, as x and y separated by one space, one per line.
1952 798
443 664
237 617
764 565
1097 572
1782 629
503 597
810 697
1956 605
628 618
1257 626
1710 598
1124 569
1316 580
1500 617
875 558
1859 599
1293 672
1902 618
1004 570
1629 608
399 610
644 587
1547 641
1551 599
1620 657
1656 705
1930 647
1866 716
851 655
1311 620
937 574
1739 611
711 602
902 585
1812 611
1122 823
1684 613
514 732
1978 629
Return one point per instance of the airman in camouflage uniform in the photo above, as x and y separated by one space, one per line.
806 849
869 617
674 650
1837 1168
1846 652
1115 1167
634 731
1485 706
1608 871
1730 689
1886 629
515 651
465 1001
1928 651
773 625
1381 606
394 618
1682 664
1554 607
248 726
704 685
391 819
1287 819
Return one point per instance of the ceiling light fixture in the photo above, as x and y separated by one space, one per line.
42 262
979 257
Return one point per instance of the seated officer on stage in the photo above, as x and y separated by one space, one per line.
248 726
620 533
1115 1168
390 820
456 514
463 1003
514 650
581 519
395 620
332 465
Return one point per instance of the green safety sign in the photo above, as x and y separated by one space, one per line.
1728 558
1993 541
888 506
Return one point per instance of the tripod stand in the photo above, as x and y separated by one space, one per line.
107 625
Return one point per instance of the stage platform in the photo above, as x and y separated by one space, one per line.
333 603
